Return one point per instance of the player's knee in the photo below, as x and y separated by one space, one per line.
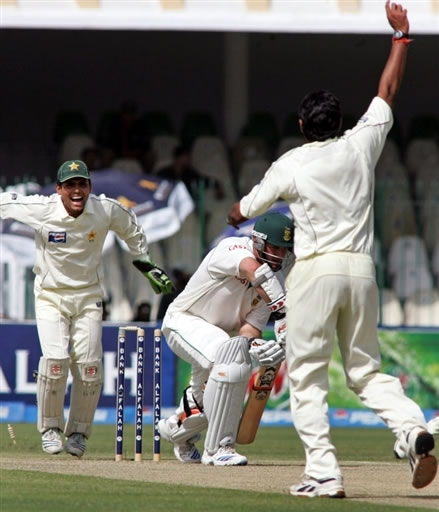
54 369
90 372
232 361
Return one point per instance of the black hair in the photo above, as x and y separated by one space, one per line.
320 113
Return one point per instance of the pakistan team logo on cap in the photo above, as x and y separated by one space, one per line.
72 169
287 234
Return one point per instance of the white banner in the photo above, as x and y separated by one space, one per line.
290 16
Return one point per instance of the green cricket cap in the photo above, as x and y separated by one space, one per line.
72 169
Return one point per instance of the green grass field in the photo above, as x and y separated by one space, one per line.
23 491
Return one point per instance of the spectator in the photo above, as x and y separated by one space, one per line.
181 169
143 313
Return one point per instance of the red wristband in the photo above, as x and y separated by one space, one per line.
404 40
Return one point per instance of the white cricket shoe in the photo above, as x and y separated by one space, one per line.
51 441
433 426
225 456
330 487
416 445
76 444
186 451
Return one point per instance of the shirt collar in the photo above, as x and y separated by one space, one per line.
320 143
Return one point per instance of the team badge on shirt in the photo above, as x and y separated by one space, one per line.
58 237
91 236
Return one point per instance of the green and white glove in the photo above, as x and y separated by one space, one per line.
157 277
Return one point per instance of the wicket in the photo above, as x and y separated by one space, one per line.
120 403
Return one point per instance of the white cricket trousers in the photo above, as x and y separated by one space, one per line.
332 294
70 324
195 341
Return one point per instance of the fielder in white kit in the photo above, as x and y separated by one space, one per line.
70 229
216 324
328 184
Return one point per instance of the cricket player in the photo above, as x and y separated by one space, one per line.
329 186
216 324
70 229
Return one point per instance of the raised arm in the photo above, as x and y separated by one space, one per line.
393 72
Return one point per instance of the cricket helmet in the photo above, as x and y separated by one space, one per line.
275 229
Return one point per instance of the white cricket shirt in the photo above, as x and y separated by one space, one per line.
218 294
329 187
69 249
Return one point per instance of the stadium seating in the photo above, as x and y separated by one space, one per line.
183 249
262 124
157 122
408 266
394 213
391 174
435 262
163 149
422 308
407 251
421 152
390 312
429 214
195 124
251 173
210 156
73 145
127 165
390 153
249 148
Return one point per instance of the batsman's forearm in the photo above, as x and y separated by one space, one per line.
393 72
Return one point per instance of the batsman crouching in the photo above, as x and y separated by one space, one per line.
216 325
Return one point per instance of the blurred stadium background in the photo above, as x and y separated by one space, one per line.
223 77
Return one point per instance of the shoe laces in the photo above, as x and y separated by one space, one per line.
51 434
228 448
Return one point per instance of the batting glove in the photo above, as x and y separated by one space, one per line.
266 353
157 277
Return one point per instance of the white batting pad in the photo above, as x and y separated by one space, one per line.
51 389
177 432
225 392
84 397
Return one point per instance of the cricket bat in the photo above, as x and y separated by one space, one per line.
255 405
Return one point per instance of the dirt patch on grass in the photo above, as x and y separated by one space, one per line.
373 482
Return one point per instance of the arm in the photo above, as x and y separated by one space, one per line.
393 72
235 217
124 223
275 185
265 282
249 331
26 209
